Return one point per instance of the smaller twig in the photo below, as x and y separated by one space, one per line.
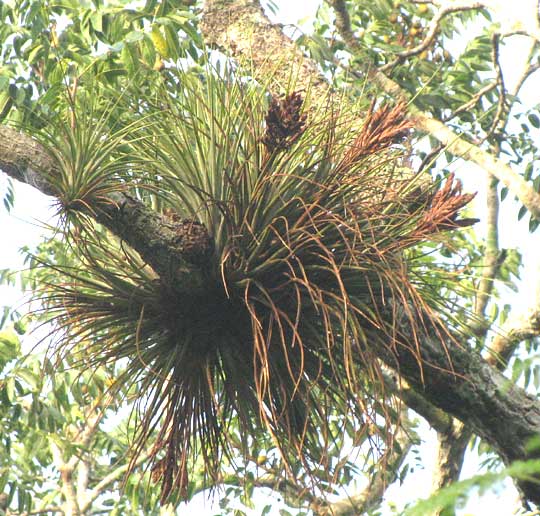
525 75
107 480
493 258
93 416
343 23
502 108
371 496
529 69
471 103
430 156
71 504
521 325
43 510
433 30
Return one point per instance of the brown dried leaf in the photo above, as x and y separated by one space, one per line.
382 128
444 209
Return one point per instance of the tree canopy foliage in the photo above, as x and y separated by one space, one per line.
263 253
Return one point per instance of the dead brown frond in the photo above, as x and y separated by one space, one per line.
171 470
285 122
382 128
444 208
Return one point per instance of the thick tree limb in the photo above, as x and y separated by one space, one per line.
273 56
460 382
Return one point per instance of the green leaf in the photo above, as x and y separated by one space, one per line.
534 120
9 345
133 36
29 378
97 21
266 510
9 384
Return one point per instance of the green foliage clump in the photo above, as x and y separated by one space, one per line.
307 276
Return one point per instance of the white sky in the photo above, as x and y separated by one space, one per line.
22 227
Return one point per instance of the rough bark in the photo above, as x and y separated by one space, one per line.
270 54
450 454
460 382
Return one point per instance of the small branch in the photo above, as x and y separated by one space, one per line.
109 479
531 68
493 259
431 157
528 70
433 29
519 327
343 23
70 506
471 103
502 108
386 472
43 510
83 479
450 454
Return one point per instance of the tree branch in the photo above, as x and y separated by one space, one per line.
471 103
520 326
433 30
492 261
109 479
70 507
273 56
453 143
385 474
166 246
437 418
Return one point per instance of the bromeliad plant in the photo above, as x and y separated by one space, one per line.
310 220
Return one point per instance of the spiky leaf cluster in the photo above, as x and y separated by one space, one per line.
306 277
